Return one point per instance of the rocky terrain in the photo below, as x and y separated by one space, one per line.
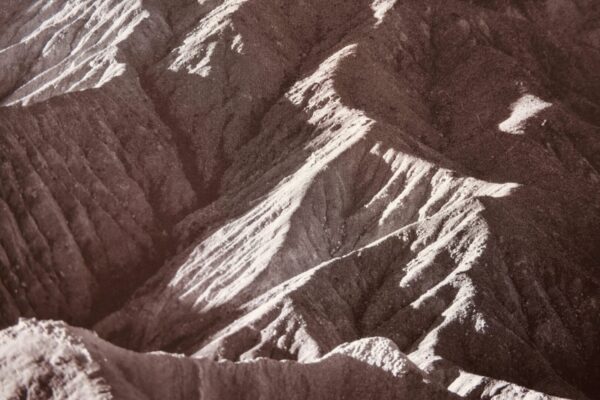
316 199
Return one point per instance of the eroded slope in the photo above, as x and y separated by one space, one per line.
325 172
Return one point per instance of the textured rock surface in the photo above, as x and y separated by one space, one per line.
51 360
281 181
89 183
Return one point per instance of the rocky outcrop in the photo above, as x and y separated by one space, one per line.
51 360
296 179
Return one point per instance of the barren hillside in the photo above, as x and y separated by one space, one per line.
315 199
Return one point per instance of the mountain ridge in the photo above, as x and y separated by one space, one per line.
244 179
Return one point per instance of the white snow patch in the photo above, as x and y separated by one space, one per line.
523 109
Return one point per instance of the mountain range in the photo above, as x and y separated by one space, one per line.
310 199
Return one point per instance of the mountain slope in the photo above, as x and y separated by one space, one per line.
294 177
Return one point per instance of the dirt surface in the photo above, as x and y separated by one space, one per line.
405 194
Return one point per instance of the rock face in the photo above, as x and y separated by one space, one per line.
52 360
317 199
